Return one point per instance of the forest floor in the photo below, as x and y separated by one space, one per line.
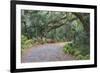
46 52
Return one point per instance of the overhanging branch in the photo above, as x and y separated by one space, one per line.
57 26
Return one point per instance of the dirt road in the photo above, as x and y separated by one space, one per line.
46 52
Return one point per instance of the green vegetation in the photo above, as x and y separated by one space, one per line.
26 43
40 27
79 53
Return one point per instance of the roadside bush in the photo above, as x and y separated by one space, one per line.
67 49
78 53
26 43
79 57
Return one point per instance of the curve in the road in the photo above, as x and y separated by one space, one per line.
46 52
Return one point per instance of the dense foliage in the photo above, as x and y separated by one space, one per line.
39 27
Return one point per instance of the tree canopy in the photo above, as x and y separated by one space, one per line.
44 23
56 25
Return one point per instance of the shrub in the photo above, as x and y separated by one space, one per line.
68 49
80 57
86 57
76 52
72 51
26 43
